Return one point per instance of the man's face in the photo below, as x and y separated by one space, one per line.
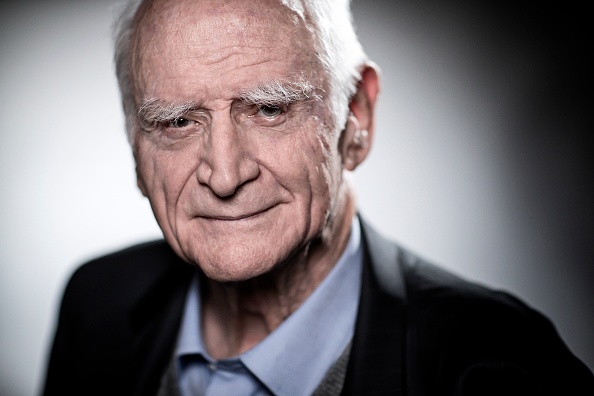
238 180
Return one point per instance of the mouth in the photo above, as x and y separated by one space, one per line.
239 217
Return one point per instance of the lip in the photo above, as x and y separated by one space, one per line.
240 217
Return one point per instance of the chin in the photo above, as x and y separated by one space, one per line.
227 273
237 266
238 255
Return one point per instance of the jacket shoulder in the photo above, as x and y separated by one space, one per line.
116 311
430 285
483 340
129 269
147 256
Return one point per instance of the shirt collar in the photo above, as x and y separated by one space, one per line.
295 357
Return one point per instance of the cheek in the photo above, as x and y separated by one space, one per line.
164 174
307 167
329 173
326 158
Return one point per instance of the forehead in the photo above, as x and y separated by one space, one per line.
220 43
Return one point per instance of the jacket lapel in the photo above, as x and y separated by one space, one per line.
376 364
377 359
154 322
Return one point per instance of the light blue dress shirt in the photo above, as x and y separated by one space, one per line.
294 358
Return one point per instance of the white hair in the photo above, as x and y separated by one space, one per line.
123 35
274 92
336 46
154 111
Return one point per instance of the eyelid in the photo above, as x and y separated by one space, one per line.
194 115
170 123
281 110
261 103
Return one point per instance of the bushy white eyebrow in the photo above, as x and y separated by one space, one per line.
279 92
273 92
155 110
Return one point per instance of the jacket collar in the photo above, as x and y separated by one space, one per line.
376 364
154 318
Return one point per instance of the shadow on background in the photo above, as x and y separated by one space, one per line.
482 160
489 135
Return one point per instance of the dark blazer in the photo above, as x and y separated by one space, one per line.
419 331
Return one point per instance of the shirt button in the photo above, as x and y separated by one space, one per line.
212 366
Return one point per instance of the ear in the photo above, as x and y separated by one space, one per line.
358 132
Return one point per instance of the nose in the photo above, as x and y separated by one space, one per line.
226 162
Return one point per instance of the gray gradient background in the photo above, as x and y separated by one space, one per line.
481 162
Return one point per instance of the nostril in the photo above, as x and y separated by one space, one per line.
223 179
223 186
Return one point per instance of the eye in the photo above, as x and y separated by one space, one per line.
269 111
178 123
181 127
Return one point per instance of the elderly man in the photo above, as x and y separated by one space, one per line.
244 117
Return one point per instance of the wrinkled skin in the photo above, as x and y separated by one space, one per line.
237 190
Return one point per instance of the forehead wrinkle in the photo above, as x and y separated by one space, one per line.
243 38
234 61
229 23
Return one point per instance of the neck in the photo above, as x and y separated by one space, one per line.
238 315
